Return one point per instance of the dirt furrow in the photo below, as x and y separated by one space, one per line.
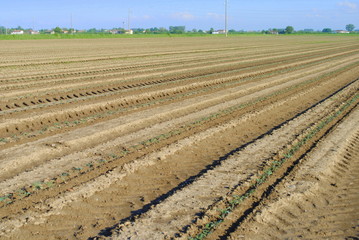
86 191
15 159
321 200
148 138
136 74
161 223
74 114
104 70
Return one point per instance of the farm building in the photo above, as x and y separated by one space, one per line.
341 31
17 32
219 32
32 32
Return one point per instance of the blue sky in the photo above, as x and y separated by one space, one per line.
199 14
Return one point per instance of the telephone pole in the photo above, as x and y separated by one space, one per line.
226 17
72 29
129 18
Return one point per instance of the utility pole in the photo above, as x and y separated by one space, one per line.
226 18
128 21
72 29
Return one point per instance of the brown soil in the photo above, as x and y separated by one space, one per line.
93 138
321 200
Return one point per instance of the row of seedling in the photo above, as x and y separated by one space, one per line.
46 184
156 139
232 202
84 120
111 93
66 175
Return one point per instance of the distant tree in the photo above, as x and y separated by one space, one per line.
231 31
162 30
138 30
177 29
327 30
200 31
57 30
2 30
349 27
194 30
120 30
19 28
154 30
289 29
211 31
92 30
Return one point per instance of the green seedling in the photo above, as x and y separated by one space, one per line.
37 185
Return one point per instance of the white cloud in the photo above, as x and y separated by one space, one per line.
350 5
183 16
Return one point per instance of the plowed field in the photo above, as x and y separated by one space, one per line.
189 138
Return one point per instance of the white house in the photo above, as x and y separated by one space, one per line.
342 31
114 31
219 32
17 32
129 31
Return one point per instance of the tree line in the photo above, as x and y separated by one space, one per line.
163 30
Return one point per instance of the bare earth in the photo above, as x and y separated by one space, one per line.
189 138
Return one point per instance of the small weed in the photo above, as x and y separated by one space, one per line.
90 165
23 193
49 184
37 185
102 161
2 199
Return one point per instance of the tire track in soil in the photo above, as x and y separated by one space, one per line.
318 201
